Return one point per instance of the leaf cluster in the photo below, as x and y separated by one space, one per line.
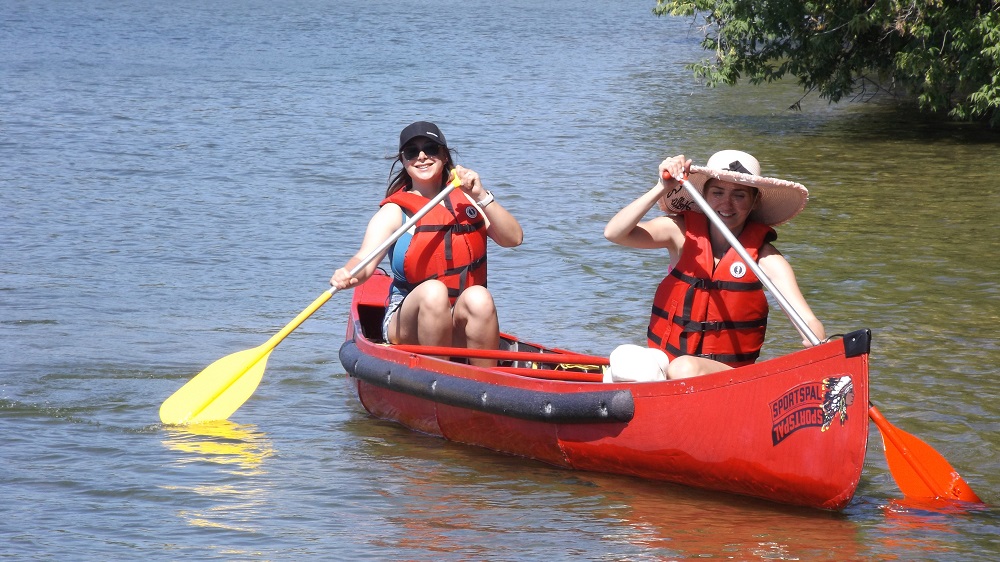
945 54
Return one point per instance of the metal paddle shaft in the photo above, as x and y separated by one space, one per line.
222 387
731 238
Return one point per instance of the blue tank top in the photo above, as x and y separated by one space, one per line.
397 253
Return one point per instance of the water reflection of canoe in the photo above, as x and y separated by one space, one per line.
793 429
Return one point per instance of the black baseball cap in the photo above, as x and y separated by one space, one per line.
421 129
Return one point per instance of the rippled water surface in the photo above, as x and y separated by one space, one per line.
179 179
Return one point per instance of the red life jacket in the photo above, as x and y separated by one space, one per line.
448 243
718 312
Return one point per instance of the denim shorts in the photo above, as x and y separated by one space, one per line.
395 301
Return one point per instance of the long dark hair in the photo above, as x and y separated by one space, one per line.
402 181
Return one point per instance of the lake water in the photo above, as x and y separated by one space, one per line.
178 180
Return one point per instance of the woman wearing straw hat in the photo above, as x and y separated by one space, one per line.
710 311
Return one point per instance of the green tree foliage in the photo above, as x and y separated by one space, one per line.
945 54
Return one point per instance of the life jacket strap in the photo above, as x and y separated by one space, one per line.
708 284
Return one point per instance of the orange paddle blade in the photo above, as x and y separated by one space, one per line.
919 470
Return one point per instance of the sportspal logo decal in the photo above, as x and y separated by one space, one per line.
811 404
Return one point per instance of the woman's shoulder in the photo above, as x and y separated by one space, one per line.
668 230
389 214
773 263
668 220
671 223
768 249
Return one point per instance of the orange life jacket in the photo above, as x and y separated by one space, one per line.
718 312
448 244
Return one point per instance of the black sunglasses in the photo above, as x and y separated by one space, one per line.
431 149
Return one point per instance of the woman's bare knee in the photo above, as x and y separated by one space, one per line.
424 317
432 295
475 302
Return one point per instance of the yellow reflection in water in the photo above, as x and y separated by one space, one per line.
243 451
221 442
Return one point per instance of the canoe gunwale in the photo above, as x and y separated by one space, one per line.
602 406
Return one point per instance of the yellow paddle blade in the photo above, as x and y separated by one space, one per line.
219 390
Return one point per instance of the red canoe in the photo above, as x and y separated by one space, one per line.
793 429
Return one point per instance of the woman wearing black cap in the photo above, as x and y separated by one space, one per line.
438 295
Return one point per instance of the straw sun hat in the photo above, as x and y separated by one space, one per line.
780 200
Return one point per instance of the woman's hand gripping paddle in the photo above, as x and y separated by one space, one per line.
220 389
919 470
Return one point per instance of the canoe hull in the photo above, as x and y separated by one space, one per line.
792 429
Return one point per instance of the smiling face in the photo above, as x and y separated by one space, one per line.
731 201
424 160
